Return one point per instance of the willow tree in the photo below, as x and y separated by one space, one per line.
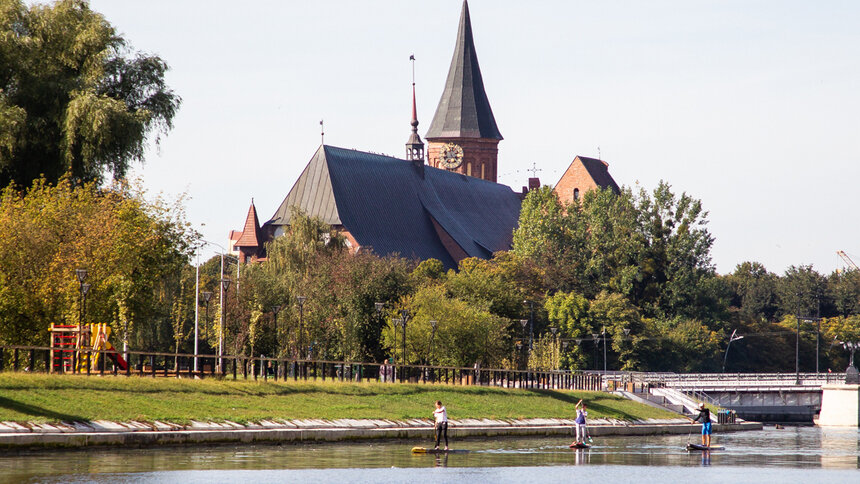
74 97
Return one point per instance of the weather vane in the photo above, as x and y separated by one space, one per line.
534 169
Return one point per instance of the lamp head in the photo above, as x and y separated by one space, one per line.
225 284
85 288
206 295
82 275
433 324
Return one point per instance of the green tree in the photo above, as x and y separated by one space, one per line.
74 98
800 291
623 326
753 290
466 332
570 313
132 248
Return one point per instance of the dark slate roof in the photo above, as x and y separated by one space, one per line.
599 171
390 204
312 192
464 110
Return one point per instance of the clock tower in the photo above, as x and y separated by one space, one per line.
463 136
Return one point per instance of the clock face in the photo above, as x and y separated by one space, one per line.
451 156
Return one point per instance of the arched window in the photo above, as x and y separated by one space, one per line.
469 168
576 193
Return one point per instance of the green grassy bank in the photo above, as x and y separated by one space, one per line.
44 398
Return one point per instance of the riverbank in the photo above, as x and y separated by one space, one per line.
49 411
74 398
138 434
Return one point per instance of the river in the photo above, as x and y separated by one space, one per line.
792 454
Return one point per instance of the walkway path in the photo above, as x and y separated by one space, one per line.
135 434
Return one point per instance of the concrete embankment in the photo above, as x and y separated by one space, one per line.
137 434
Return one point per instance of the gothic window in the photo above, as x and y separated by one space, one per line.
576 193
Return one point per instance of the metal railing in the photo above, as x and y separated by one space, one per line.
42 359
746 380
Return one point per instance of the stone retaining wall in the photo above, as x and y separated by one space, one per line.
137 434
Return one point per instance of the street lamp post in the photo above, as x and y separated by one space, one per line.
554 330
301 301
275 309
524 323
404 315
395 323
432 334
225 284
531 305
82 275
733 337
206 295
603 337
596 337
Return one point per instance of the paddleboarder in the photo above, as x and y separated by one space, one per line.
705 417
581 426
441 416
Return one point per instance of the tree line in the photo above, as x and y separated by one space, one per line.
616 280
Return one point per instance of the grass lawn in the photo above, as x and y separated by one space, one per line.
51 398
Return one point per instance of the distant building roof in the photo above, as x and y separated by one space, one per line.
396 206
464 110
599 171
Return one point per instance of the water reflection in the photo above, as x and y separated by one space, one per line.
792 447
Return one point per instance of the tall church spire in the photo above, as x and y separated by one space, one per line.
463 136
464 110
414 147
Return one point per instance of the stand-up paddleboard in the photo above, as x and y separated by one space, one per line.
425 450
579 445
703 447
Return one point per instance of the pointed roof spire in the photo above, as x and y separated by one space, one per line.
251 232
464 110
414 146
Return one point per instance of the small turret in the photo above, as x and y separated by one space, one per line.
414 147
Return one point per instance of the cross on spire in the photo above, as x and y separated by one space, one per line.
534 169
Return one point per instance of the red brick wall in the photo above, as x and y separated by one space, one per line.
576 176
478 152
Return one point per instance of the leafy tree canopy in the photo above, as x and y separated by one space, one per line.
74 97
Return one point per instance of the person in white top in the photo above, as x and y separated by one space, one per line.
441 416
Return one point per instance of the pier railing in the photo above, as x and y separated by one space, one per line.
84 361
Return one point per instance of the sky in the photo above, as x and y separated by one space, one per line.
751 106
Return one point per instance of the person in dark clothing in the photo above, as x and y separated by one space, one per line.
705 417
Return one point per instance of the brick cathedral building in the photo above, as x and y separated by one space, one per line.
446 207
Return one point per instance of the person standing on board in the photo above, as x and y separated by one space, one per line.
581 428
441 416
705 417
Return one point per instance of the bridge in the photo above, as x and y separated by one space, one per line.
763 397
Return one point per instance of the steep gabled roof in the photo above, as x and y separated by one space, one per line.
393 206
599 171
251 232
464 110
312 192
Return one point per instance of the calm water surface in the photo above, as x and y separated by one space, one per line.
793 454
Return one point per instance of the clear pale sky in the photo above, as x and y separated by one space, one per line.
751 106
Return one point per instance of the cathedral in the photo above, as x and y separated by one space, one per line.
442 202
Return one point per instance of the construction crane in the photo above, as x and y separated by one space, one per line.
847 260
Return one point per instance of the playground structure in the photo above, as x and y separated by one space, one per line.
77 348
